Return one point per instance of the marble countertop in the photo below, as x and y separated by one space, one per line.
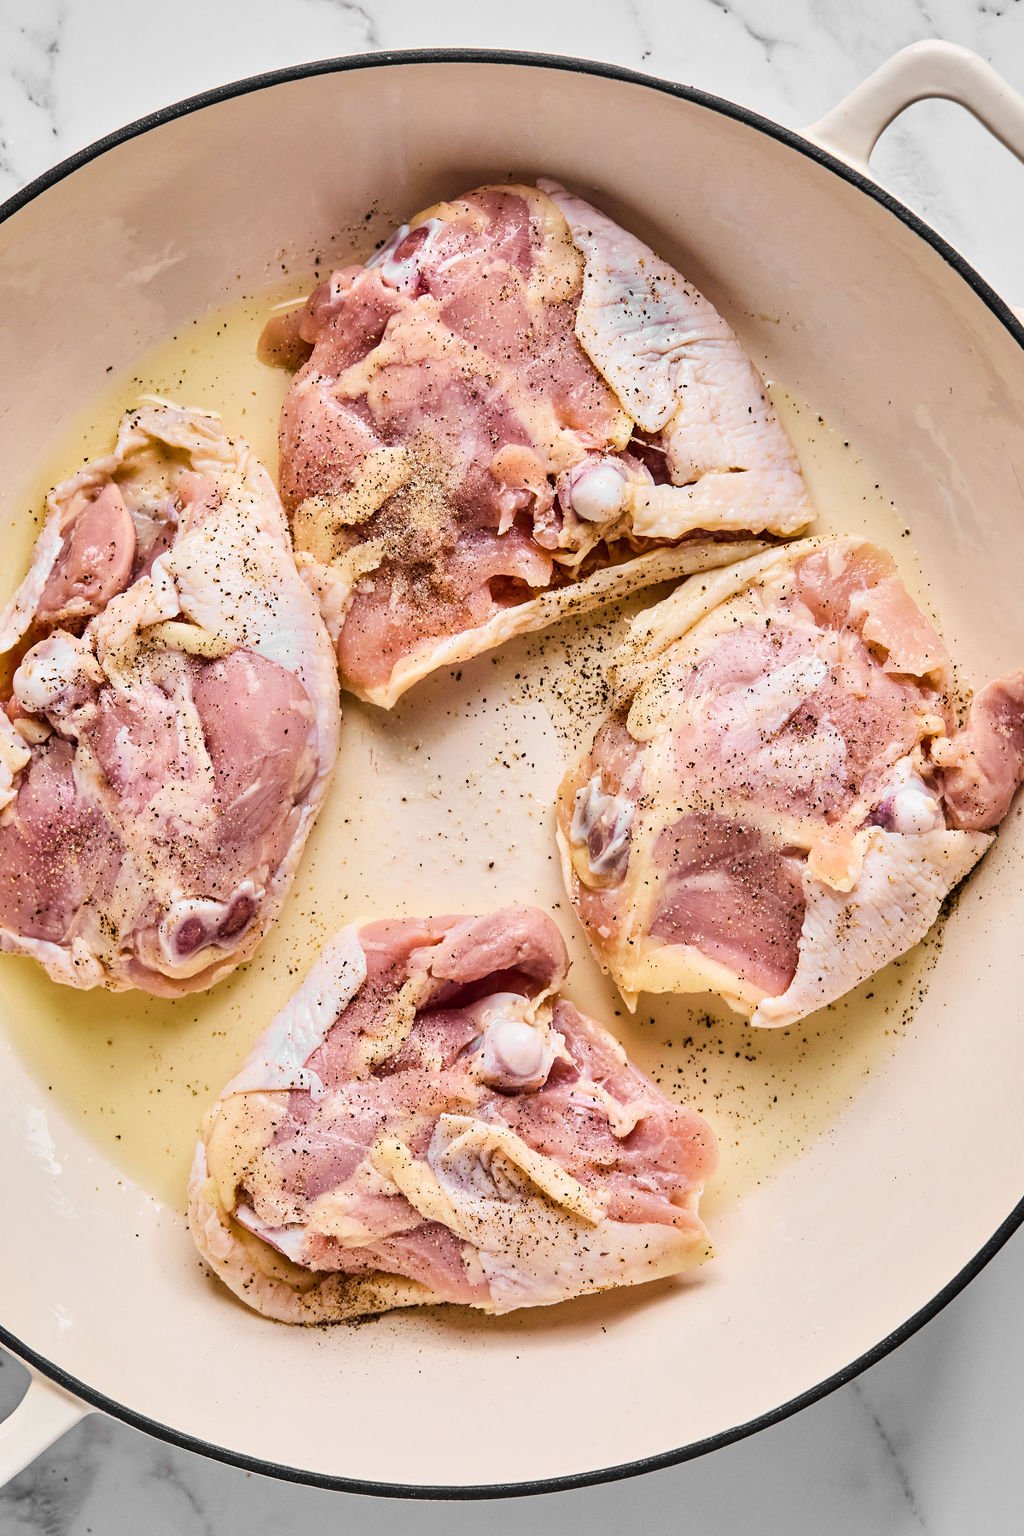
930 1439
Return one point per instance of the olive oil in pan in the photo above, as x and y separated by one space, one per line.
443 804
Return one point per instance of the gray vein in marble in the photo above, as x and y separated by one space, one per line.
643 33
42 1500
34 1512
763 39
30 34
37 82
892 1455
360 14
167 1468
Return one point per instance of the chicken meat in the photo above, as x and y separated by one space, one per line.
429 1120
781 800
513 411
170 718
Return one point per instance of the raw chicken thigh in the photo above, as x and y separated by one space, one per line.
781 802
170 719
514 410
429 1120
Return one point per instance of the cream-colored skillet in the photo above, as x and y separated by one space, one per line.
863 310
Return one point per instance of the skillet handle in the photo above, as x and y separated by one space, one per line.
922 71
44 1414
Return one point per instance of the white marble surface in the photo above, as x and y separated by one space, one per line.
929 1440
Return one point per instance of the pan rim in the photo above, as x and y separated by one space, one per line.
1002 312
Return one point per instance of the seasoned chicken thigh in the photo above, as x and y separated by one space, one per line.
781 801
170 721
429 1120
514 410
